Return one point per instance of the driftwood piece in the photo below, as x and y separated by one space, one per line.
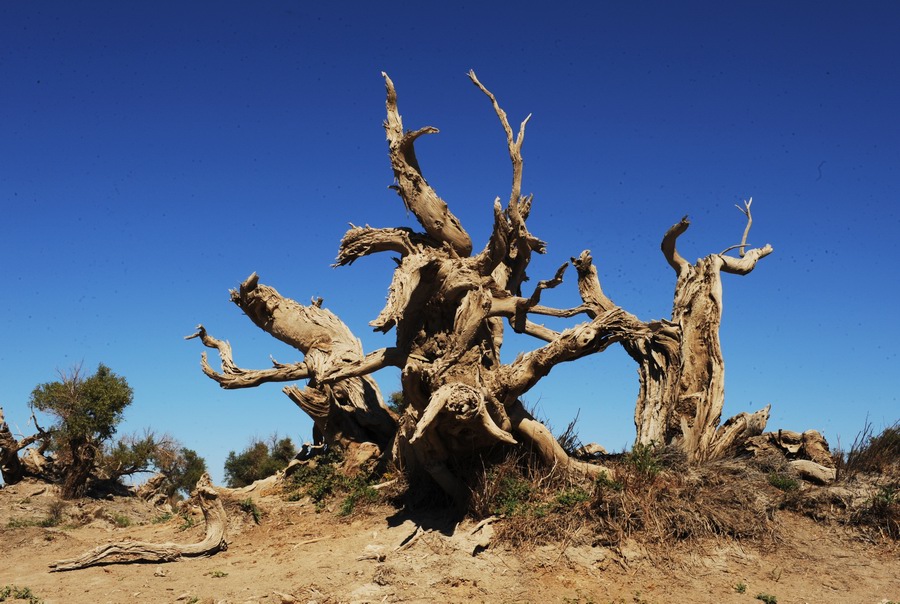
124 552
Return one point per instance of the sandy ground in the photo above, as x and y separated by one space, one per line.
381 555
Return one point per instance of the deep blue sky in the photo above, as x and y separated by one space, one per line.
153 155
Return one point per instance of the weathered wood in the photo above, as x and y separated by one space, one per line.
12 468
446 310
127 551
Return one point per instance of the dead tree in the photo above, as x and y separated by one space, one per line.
12 467
141 551
449 309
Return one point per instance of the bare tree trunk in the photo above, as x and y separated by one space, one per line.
12 468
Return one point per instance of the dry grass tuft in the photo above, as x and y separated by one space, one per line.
871 453
655 497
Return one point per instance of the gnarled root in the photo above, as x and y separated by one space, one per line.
124 552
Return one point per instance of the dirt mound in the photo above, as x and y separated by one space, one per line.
286 551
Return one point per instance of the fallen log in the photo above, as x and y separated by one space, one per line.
128 551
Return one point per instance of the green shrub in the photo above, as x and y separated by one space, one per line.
572 497
121 520
248 506
259 460
645 459
12 592
603 481
187 521
783 482
514 492
320 480
767 598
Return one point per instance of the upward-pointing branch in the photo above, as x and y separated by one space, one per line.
419 198
514 146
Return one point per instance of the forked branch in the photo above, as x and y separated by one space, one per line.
233 377
513 145
746 212
419 198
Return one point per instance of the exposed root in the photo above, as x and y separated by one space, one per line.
124 552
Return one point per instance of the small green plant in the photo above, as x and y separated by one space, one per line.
121 520
21 523
54 513
767 598
783 482
887 495
13 592
248 506
320 480
217 574
317 480
741 587
187 521
512 496
360 491
162 518
645 459
605 482
572 497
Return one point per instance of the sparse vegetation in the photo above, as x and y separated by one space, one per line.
13 592
187 521
783 482
248 506
767 598
320 481
121 520
871 453
741 587
645 459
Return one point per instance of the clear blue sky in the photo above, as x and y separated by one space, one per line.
152 155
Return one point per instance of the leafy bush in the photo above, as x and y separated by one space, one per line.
181 467
81 451
316 479
87 411
396 403
259 460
